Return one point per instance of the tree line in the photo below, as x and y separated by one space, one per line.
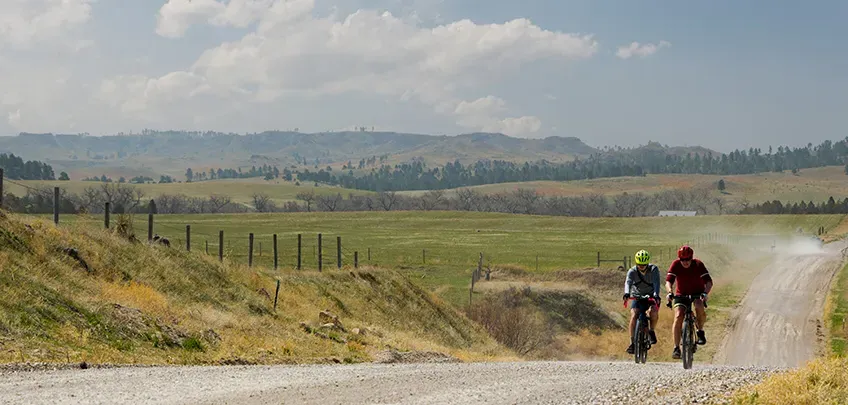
126 198
267 171
831 206
15 168
613 163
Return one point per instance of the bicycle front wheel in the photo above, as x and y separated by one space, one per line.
687 344
638 340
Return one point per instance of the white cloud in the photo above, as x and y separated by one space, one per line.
15 118
520 127
482 114
295 53
23 23
640 50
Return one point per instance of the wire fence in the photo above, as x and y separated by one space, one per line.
324 251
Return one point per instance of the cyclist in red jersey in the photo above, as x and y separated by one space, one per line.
692 278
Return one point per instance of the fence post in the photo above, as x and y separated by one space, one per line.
356 260
275 252
276 294
320 264
1 187
250 251
221 245
106 216
260 249
599 259
537 262
188 238
56 205
299 250
424 256
207 246
369 255
339 250
150 221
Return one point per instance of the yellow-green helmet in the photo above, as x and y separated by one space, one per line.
643 257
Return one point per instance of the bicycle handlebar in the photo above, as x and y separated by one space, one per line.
690 297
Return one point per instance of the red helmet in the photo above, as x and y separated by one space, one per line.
685 252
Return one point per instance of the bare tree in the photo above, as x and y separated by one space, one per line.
597 205
217 202
172 204
505 203
262 202
91 200
468 199
719 203
330 202
630 205
699 198
368 202
387 199
308 197
431 199
197 205
525 199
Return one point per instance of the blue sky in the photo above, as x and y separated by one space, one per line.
729 74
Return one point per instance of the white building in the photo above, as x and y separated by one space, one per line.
677 213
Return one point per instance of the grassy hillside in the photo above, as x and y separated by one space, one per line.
810 184
130 302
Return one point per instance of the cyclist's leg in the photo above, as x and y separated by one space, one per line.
679 305
653 314
700 319
634 313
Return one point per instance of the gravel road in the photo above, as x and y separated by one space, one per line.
479 383
779 322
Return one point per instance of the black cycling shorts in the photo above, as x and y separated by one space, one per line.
682 302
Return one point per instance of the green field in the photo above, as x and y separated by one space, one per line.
442 248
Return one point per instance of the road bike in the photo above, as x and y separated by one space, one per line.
641 337
688 344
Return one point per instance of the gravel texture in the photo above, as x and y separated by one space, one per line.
779 322
446 383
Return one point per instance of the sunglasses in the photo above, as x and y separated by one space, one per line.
686 260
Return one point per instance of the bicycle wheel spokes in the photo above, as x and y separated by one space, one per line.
686 345
637 341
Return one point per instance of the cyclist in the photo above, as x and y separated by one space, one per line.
692 278
643 279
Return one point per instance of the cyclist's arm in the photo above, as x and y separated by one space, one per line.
656 281
708 281
628 281
669 279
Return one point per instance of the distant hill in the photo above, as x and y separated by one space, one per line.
155 153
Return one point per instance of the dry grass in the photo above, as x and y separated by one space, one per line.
821 381
148 304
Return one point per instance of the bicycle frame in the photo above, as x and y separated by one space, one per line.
641 341
688 346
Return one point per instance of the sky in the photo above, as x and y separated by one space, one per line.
722 74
